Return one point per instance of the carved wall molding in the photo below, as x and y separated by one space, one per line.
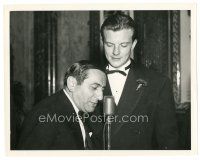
45 49
175 51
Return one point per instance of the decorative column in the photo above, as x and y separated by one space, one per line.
45 49
175 51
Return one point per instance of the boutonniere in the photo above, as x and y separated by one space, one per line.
141 82
90 134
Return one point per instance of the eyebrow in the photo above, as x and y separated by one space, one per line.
107 42
98 85
120 43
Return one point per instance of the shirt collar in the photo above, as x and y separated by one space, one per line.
72 102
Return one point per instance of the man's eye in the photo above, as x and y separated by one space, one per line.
109 44
94 87
124 44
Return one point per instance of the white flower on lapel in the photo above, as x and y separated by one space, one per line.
90 134
141 82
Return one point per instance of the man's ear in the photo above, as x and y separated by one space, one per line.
71 83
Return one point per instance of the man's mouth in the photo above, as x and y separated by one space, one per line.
115 59
94 103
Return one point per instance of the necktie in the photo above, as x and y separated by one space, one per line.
118 71
88 142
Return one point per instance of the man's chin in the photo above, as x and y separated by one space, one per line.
91 109
115 64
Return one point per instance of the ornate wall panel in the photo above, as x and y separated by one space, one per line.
159 44
72 41
153 44
21 70
45 49
175 50
21 43
95 52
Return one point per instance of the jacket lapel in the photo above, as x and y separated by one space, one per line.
72 123
129 97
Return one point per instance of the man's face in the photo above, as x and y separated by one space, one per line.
87 95
118 46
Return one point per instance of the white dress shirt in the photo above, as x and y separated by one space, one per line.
117 80
79 120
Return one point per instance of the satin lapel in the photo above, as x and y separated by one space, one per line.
130 97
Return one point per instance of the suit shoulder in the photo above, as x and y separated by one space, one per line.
50 103
153 74
153 77
48 106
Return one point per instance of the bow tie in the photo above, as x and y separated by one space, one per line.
118 71
114 71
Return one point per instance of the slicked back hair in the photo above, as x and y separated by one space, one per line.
117 22
79 71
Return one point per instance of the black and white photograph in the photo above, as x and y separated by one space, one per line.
117 79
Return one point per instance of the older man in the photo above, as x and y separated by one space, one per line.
54 122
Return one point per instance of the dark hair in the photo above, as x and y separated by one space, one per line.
79 70
117 22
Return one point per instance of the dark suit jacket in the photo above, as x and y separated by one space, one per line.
54 132
154 102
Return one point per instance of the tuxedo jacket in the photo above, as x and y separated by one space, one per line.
49 126
145 114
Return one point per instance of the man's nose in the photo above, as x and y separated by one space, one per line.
99 95
116 50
